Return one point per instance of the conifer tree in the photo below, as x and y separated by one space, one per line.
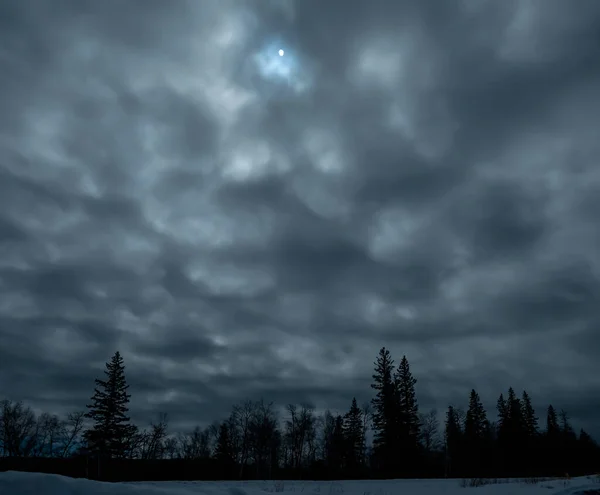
529 418
354 435
552 428
551 440
406 418
111 431
515 415
408 409
476 420
502 409
453 443
531 440
384 410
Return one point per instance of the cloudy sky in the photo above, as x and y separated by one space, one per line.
417 175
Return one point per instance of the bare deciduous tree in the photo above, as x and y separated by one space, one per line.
300 435
19 427
150 444
48 430
430 431
71 430
194 445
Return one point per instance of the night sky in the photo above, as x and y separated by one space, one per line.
418 175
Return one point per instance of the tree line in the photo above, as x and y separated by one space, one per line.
256 442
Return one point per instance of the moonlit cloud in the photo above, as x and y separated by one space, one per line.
241 224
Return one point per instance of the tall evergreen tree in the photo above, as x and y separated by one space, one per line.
407 418
408 408
552 428
515 415
515 439
111 432
354 435
454 444
531 440
476 420
552 443
530 420
384 411
502 409
477 435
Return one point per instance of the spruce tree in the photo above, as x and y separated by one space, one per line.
515 439
408 413
529 418
515 415
531 440
384 411
552 445
111 431
503 431
354 435
502 409
552 428
476 421
454 446
407 418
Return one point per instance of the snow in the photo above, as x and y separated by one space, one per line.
15 483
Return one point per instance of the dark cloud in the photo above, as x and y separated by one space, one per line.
241 225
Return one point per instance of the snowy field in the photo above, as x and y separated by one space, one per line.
13 483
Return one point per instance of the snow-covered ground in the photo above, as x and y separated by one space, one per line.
13 483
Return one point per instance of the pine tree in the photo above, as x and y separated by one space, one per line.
530 442
453 443
384 410
552 443
503 421
529 418
515 415
516 439
408 413
552 428
111 431
407 418
476 420
354 435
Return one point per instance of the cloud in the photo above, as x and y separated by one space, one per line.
417 176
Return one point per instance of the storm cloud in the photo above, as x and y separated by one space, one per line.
416 175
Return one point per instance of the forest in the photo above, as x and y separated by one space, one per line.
388 437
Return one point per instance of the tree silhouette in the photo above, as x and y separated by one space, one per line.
111 430
407 416
354 437
384 403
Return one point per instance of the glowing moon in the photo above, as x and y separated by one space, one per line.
281 52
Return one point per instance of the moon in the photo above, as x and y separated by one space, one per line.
281 52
